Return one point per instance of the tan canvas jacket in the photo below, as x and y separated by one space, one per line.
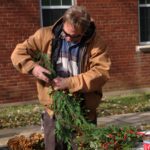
94 71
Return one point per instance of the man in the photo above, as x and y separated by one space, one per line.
79 57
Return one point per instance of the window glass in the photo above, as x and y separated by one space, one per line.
55 2
66 2
144 1
145 24
51 15
45 2
52 10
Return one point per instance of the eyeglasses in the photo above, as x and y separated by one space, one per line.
65 34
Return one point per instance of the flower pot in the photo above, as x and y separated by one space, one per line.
146 140
146 145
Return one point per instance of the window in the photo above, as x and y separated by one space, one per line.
52 10
144 20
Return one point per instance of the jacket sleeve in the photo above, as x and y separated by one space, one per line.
97 74
20 57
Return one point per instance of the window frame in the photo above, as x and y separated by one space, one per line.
73 2
139 6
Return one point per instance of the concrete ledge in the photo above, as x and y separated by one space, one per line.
133 119
127 92
143 48
19 103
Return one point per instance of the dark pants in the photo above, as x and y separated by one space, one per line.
49 132
49 135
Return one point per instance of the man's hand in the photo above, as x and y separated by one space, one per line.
38 71
60 83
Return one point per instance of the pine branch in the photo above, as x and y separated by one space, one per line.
71 124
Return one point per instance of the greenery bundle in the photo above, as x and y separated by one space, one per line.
72 127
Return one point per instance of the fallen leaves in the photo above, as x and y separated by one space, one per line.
17 116
34 142
124 104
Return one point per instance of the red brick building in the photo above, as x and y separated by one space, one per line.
122 24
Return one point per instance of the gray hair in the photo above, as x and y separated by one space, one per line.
77 16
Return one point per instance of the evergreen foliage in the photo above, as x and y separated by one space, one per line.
72 127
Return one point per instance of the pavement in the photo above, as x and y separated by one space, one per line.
6 134
133 119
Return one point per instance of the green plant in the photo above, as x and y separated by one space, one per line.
72 125
70 119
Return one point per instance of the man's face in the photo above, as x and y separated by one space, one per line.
70 33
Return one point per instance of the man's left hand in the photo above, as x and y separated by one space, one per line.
60 83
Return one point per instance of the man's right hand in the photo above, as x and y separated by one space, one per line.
38 71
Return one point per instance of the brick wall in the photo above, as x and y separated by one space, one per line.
117 22
18 20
